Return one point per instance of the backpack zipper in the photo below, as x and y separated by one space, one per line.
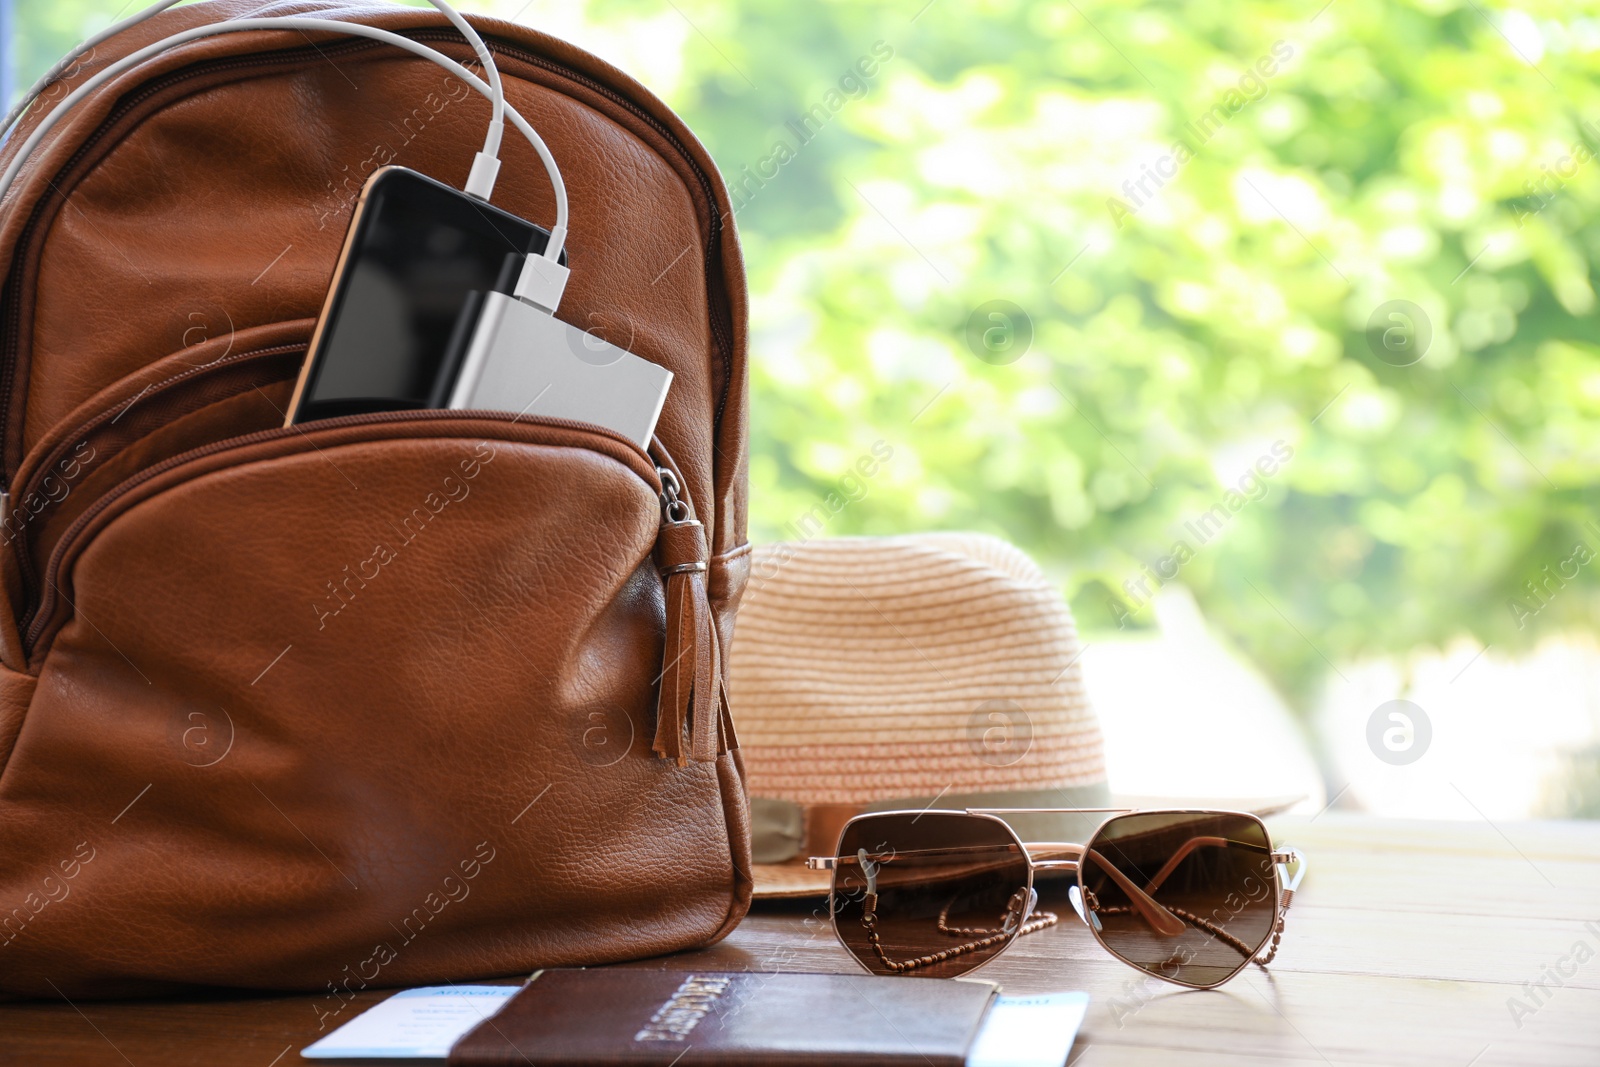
34 624
26 568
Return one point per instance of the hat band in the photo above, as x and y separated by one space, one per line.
782 830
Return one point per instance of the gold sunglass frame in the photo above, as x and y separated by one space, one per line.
1284 884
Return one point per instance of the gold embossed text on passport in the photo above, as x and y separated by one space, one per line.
691 1002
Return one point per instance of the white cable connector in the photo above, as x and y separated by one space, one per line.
480 180
552 251
541 282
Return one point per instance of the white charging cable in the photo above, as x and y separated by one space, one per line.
543 277
484 168
66 61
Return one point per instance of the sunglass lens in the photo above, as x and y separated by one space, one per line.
1189 897
931 895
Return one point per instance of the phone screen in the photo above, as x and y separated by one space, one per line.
417 260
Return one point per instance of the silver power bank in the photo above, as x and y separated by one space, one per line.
526 360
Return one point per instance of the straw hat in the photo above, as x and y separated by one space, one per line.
903 672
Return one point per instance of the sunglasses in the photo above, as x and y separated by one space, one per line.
1191 897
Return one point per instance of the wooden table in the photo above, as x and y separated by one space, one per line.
1407 944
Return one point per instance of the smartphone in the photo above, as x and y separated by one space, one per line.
405 295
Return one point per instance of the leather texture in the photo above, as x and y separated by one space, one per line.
373 701
773 1020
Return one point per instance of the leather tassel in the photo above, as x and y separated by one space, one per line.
691 678
707 677
727 740
670 704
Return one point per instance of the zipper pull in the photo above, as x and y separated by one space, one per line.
673 507
691 677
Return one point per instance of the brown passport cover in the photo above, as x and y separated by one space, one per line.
634 1016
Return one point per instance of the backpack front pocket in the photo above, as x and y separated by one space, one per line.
330 670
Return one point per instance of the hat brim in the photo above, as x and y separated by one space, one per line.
794 880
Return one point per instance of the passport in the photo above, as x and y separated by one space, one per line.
630 1015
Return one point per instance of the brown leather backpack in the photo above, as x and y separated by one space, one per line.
381 700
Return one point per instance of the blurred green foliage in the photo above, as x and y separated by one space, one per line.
1428 151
